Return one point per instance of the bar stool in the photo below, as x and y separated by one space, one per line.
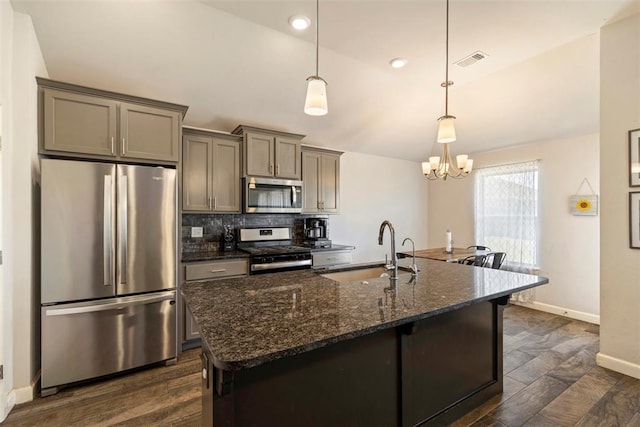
476 260
495 259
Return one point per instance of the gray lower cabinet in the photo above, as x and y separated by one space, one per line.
210 172
208 270
320 181
83 122
270 153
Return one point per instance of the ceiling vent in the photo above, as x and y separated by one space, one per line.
471 59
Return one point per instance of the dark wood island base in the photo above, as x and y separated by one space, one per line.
426 372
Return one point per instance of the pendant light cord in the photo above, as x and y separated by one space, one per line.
446 78
318 34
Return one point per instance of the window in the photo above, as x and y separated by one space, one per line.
506 213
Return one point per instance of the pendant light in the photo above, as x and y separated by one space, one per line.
443 166
315 103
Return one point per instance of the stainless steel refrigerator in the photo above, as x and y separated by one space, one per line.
108 284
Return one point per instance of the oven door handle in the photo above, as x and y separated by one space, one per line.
283 264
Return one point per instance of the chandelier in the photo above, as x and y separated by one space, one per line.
441 167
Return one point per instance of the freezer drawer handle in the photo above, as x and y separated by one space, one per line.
219 270
108 306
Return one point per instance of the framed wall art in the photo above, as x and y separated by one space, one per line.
634 158
634 220
584 204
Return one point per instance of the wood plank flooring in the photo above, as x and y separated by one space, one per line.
550 379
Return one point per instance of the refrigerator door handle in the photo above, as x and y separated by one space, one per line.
110 306
107 229
122 241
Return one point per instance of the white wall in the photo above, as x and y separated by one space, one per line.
569 251
6 291
374 189
619 265
21 62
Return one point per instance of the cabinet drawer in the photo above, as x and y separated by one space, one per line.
217 269
323 259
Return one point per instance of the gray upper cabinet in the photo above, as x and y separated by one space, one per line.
210 172
320 181
77 121
270 153
260 151
149 133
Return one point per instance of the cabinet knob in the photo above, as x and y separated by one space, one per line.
123 150
278 169
112 145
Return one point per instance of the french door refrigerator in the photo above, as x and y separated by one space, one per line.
108 269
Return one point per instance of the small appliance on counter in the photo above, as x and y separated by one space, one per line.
315 233
228 240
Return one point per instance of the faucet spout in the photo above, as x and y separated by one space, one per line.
394 257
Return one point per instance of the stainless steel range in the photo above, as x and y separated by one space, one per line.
271 250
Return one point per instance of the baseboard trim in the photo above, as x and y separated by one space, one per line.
7 402
561 311
618 365
23 394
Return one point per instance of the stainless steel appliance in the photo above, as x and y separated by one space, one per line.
271 250
267 195
315 233
108 235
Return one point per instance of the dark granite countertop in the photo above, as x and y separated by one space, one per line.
212 255
334 247
245 322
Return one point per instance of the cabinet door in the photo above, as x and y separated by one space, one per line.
287 158
149 133
311 181
196 173
191 331
259 156
330 185
79 123
226 175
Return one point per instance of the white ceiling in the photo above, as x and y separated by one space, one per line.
237 62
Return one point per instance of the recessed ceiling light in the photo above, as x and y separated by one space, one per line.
299 22
398 62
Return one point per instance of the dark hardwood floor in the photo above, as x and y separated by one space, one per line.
550 379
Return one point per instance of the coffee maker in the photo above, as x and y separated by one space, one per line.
315 233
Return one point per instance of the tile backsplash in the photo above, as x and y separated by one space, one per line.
213 226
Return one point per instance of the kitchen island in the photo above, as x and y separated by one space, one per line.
299 349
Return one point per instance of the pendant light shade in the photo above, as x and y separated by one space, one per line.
446 129
316 102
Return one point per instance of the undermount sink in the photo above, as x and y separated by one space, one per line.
359 274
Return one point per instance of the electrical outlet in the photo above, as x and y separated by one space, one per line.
196 231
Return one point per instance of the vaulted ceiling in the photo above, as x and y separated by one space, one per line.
239 62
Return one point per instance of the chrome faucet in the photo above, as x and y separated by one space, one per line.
394 258
414 267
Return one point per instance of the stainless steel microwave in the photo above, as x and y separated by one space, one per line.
268 195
